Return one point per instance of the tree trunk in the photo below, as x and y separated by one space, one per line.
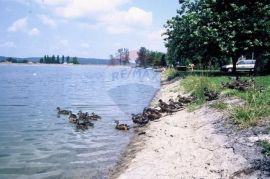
258 65
234 64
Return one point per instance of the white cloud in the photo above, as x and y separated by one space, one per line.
154 40
8 45
125 21
85 45
34 32
102 14
82 8
47 21
19 25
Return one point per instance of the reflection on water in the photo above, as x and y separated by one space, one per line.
35 143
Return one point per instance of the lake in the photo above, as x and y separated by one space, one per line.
36 143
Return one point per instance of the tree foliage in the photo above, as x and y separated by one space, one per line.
204 31
150 58
56 59
121 57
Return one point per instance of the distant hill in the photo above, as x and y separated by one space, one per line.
81 60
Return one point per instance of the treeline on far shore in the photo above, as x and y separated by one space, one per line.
58 60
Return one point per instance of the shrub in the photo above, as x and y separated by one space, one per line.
170 73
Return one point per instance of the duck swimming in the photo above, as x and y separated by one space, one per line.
123 127
62 111
72 117
95 116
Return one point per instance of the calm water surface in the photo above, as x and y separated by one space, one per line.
36 143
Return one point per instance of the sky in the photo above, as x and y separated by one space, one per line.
82 28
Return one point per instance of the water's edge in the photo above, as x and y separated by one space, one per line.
134 146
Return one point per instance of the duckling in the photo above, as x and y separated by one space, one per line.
175 105
72 117
151 114
123 127
95 116
165 107
211 95
82 115
185 100
139 119
62 111
81 126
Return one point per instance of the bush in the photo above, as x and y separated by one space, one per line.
170 73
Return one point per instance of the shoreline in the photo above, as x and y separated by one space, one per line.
203 143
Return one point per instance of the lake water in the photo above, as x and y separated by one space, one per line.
36 143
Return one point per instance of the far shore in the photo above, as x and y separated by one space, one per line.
199 144
62 65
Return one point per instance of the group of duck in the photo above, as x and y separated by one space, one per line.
151 114
84 120
81 120
241 85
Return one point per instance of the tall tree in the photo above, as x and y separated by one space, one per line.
57 59
75 60
142 56
41 60
126 56
63 59
68 59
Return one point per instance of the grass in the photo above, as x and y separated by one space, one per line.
196 84
220 106
266 147
170 73
257 103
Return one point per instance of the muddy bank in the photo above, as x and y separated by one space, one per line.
200 144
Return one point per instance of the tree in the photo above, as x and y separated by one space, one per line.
163 62
41 60
75 60
206 30
68 59
63 59
142 56
57 59
126 56
53 59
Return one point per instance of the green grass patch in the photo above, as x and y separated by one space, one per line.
266 147
257 103
196 84
219 105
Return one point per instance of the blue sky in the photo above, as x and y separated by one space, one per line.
82 28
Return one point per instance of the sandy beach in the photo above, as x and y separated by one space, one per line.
199 144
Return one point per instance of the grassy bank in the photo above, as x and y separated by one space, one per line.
256 102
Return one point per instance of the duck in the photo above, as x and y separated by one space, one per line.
211 95
82 115
139 119
72 117
81 126
62 111
123 127
151 114
185 100
95 116
166 108
175 105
